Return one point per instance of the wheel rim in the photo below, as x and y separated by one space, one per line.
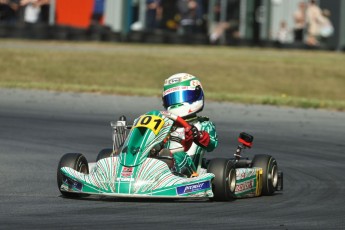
232 180
274 176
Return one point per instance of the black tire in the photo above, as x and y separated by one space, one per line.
76 161
269 173
104 153
224 182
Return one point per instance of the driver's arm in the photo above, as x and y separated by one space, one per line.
210 139
206 137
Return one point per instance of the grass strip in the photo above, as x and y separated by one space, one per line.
306 79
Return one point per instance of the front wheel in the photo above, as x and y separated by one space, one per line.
104 153
224 182
76 161
269 173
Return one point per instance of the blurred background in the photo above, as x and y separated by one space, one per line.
266 23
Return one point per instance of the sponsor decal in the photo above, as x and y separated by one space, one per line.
193 187
187 76
241 175
125 179
127 171
177 88
174 80
72 183
247 185
195 83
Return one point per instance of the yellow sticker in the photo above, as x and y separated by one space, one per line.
152 122
258 182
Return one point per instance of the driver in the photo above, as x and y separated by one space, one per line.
183 96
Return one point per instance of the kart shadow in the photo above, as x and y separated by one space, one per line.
96 198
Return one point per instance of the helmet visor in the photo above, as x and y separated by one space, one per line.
178 97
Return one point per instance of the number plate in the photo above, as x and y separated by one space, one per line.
154 123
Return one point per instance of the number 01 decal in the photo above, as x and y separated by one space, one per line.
154 123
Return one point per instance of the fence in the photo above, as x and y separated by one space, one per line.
225 22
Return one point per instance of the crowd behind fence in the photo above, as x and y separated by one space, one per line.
215 21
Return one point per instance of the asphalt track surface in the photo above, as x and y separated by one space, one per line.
37 127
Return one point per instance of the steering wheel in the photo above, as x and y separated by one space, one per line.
180 121
177 119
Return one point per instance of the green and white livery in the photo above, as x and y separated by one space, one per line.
138 166
133 172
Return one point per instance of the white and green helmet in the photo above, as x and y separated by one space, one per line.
183 95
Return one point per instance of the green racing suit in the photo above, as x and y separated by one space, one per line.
189 161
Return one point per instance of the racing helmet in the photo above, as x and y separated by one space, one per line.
183 95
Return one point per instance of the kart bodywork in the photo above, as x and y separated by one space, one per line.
152 178
129 169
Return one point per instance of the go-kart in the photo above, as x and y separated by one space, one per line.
137 167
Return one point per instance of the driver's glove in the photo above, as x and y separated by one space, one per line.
201 138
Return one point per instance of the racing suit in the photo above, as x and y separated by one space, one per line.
188 162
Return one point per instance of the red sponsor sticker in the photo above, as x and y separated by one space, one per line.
127 171
244 186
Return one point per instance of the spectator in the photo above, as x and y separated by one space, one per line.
282 35
35 11
31 11
9 11
201 15
299 22
327 28
314 20
97 13
188 13
153 14
226 23
169 19
45 8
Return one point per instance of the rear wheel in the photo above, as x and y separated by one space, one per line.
76 161
104 153
224 182
269 173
